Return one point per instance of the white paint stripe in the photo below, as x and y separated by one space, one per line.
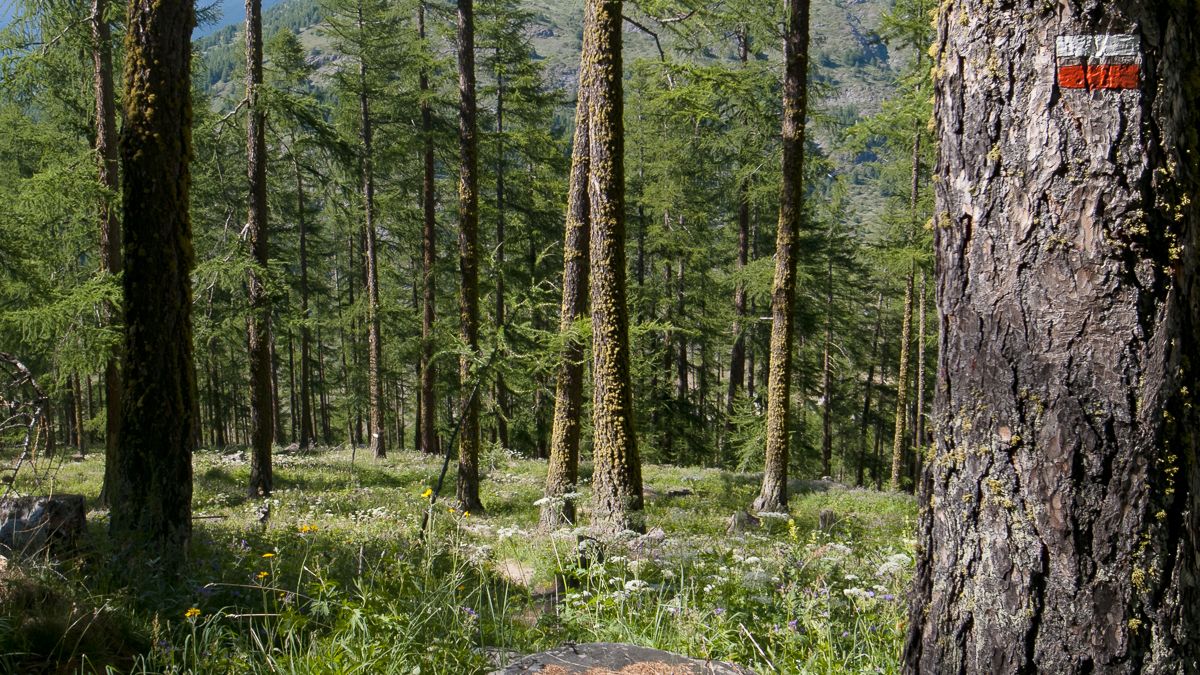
1098 46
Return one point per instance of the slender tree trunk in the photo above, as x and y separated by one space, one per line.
293 395
827 368
866 413
502 394
617 481
428 406
1060 511
306 439
919 417
468 260
562 474
737 357
375 401
262 418
80 434
774 493
110 222
902 383
151 489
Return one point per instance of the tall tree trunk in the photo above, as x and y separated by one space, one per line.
262 418
502 395
737 357
617 482
866 413
429 439
1060 517
468 260
110 222
375 402
306 439
827 368
774 493
902 384
77 406
562 475
919 418
151 494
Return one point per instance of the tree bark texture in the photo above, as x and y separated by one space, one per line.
502 395
774 494
1059 512
468 260
919 417
902 384
617 481
378 442
110 222
152 482
562 475
307 432
428 404
262 418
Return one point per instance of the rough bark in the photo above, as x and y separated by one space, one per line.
1059 512
378 442
902 384
110 222
919 417
468 260
262 418
774 493
428 400
502 395
152 482
617 481
562 474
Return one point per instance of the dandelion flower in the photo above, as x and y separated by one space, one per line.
426 493
191 613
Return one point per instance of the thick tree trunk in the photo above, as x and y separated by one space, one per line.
110 222
151 493
866 413
262 418
563 472
617 482
902 384
468 260
428 405
378 442
774 493
1059 519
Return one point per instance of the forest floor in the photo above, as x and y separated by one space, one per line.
339 580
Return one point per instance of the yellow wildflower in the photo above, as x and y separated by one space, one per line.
268 555
466 514
191 613
263 575
426 493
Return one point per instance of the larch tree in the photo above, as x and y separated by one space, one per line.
468 260
617 479
562 474
151 489
427 402
110 223
1059 510
774 494
262 409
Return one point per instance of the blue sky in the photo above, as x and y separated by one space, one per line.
232 11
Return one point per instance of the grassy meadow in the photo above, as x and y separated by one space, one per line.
340 580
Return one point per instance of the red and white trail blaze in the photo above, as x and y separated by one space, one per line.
1099 61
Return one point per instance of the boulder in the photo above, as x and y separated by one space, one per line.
610 658
29 525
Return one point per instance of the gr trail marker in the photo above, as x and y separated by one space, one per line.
1099 61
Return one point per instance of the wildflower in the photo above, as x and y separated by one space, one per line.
466 514
719 611
471 614
635 585
305 529
426 493
794 625
268 555
192 613
262 575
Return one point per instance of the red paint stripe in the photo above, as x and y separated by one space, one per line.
1099 76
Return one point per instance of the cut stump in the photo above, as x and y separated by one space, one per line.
610 658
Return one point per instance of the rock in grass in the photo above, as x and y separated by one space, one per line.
610 658
29 525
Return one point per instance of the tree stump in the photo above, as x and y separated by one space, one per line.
609 658
29 525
